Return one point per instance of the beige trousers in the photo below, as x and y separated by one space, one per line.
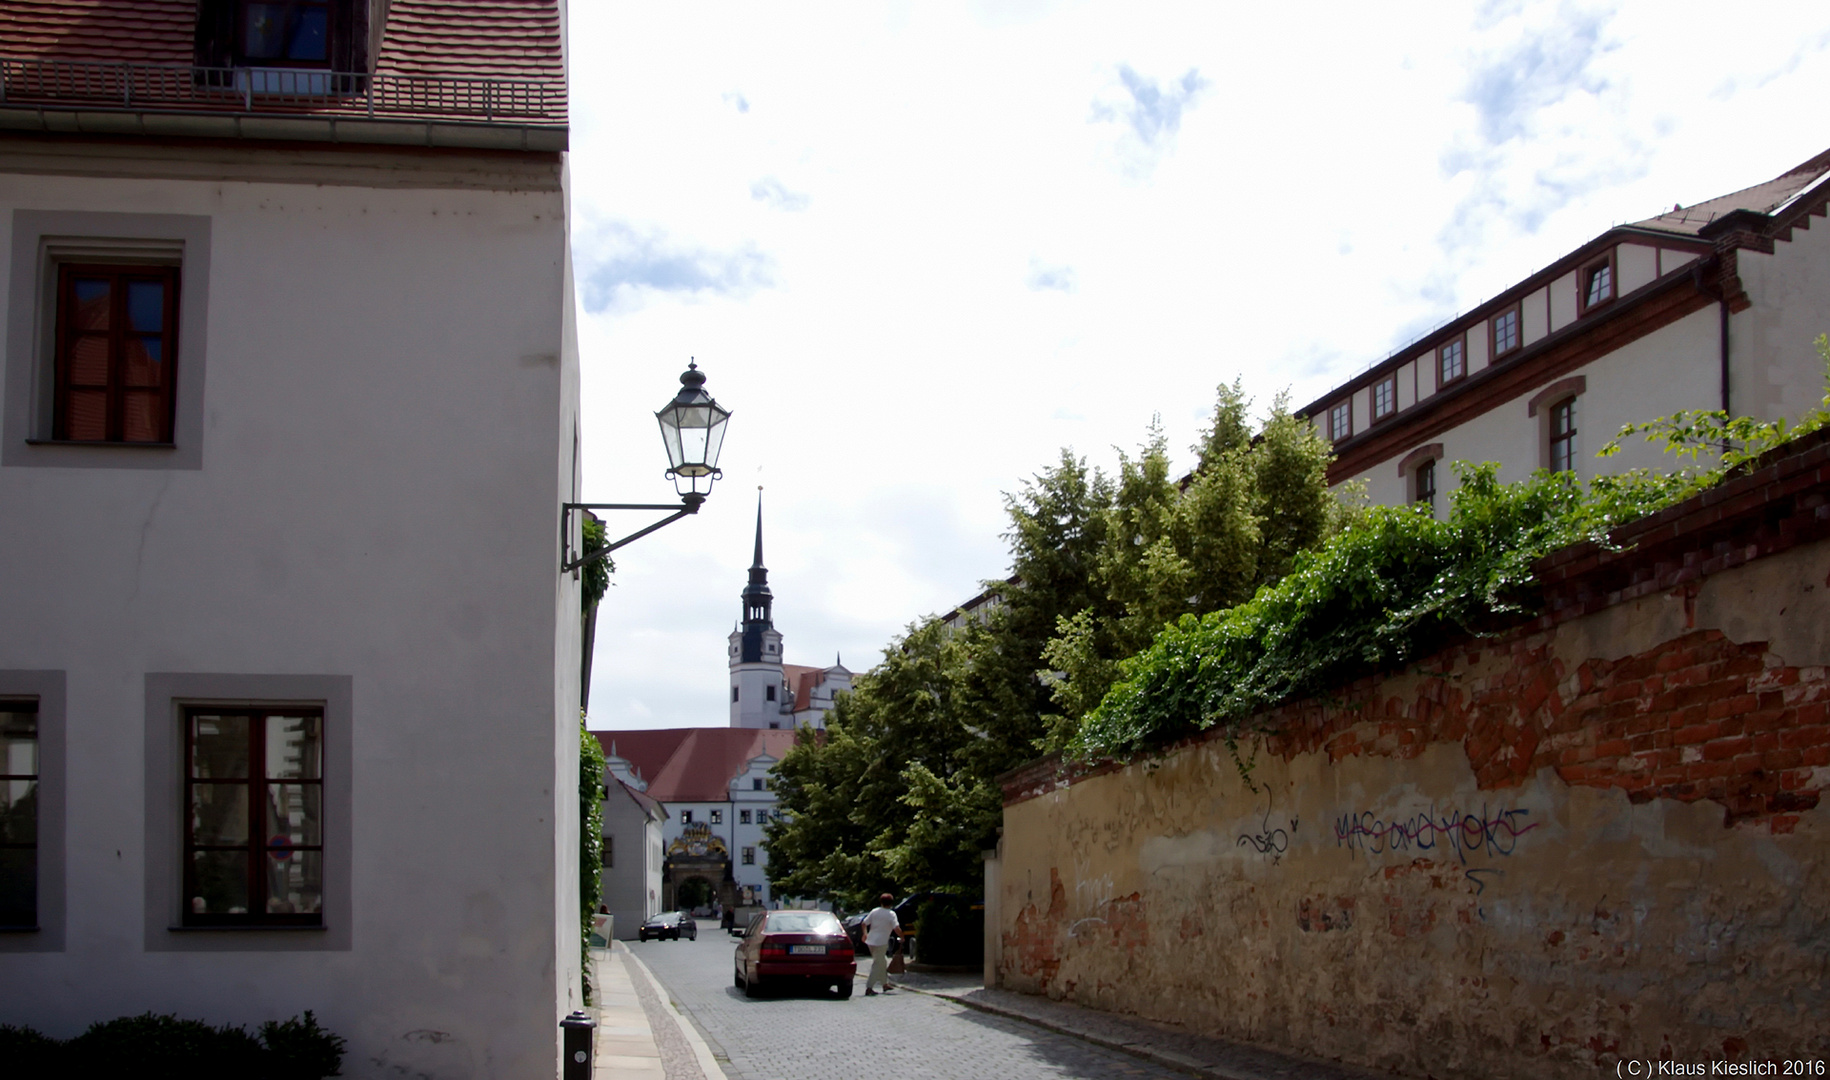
880 967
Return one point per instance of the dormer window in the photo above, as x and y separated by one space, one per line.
1595 283
284 34
1451 362
1506 331
1340 421
1385 397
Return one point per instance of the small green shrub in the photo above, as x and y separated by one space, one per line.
27 1053
298 1049
153 1047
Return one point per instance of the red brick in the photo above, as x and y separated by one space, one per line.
1723 749
1708 770
1784 823
1781 759
1734 706
1815 756
1612 748
1690 736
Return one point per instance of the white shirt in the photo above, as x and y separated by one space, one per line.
879 925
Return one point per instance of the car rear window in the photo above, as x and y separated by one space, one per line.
803 922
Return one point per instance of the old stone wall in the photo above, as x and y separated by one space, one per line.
1598 837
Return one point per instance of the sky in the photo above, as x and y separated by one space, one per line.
918 249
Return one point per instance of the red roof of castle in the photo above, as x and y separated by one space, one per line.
693 764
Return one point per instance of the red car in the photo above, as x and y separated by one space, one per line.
805 947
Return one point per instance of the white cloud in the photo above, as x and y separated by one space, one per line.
770 192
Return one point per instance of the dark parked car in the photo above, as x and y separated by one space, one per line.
669 924
786 947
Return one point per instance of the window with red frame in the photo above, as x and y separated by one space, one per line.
1505 331
117 348
254 823
1340 421
1385 397
1451 363
1563 436
1597 283
1424 485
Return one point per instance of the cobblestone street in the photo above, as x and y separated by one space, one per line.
795 1036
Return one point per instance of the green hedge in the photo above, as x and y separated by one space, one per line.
151 1047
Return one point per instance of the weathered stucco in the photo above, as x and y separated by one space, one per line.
1527 857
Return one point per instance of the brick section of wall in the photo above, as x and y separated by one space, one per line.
1697 717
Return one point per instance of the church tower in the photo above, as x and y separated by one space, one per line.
757 686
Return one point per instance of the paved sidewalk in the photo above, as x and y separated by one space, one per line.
640 1035
1162 1044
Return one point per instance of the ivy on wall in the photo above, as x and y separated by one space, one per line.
595 582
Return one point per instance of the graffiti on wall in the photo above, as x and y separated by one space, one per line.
1270 841
1492 832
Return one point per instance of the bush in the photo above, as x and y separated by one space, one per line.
152 1047
27 1053
948 933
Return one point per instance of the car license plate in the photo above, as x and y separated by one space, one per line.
807 950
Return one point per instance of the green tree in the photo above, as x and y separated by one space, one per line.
1204 544
887 797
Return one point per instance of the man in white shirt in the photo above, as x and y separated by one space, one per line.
878 926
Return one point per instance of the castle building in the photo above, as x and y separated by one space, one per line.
765 692
713 783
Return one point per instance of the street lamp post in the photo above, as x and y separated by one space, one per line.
692 429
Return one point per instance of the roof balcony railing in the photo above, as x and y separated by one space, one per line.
91 85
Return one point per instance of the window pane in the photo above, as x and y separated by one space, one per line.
146 305
309 38
89 360
18 811
263 30
145 356
88 416
91 296
18 887
294 748
219 747
219 813
140 417
295 883
19 743
219 883
295 815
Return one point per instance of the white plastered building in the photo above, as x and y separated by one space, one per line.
1711 306
290 405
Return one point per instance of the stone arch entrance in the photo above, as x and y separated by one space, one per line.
697 859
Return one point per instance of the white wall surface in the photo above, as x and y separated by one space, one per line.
1775 370
1672 368
389 414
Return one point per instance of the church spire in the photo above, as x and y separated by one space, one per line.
757 602
756 563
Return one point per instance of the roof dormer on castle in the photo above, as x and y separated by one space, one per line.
765 692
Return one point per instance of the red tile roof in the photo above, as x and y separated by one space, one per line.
693 764
143 32
473 39
1764 198
801 680
517 42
